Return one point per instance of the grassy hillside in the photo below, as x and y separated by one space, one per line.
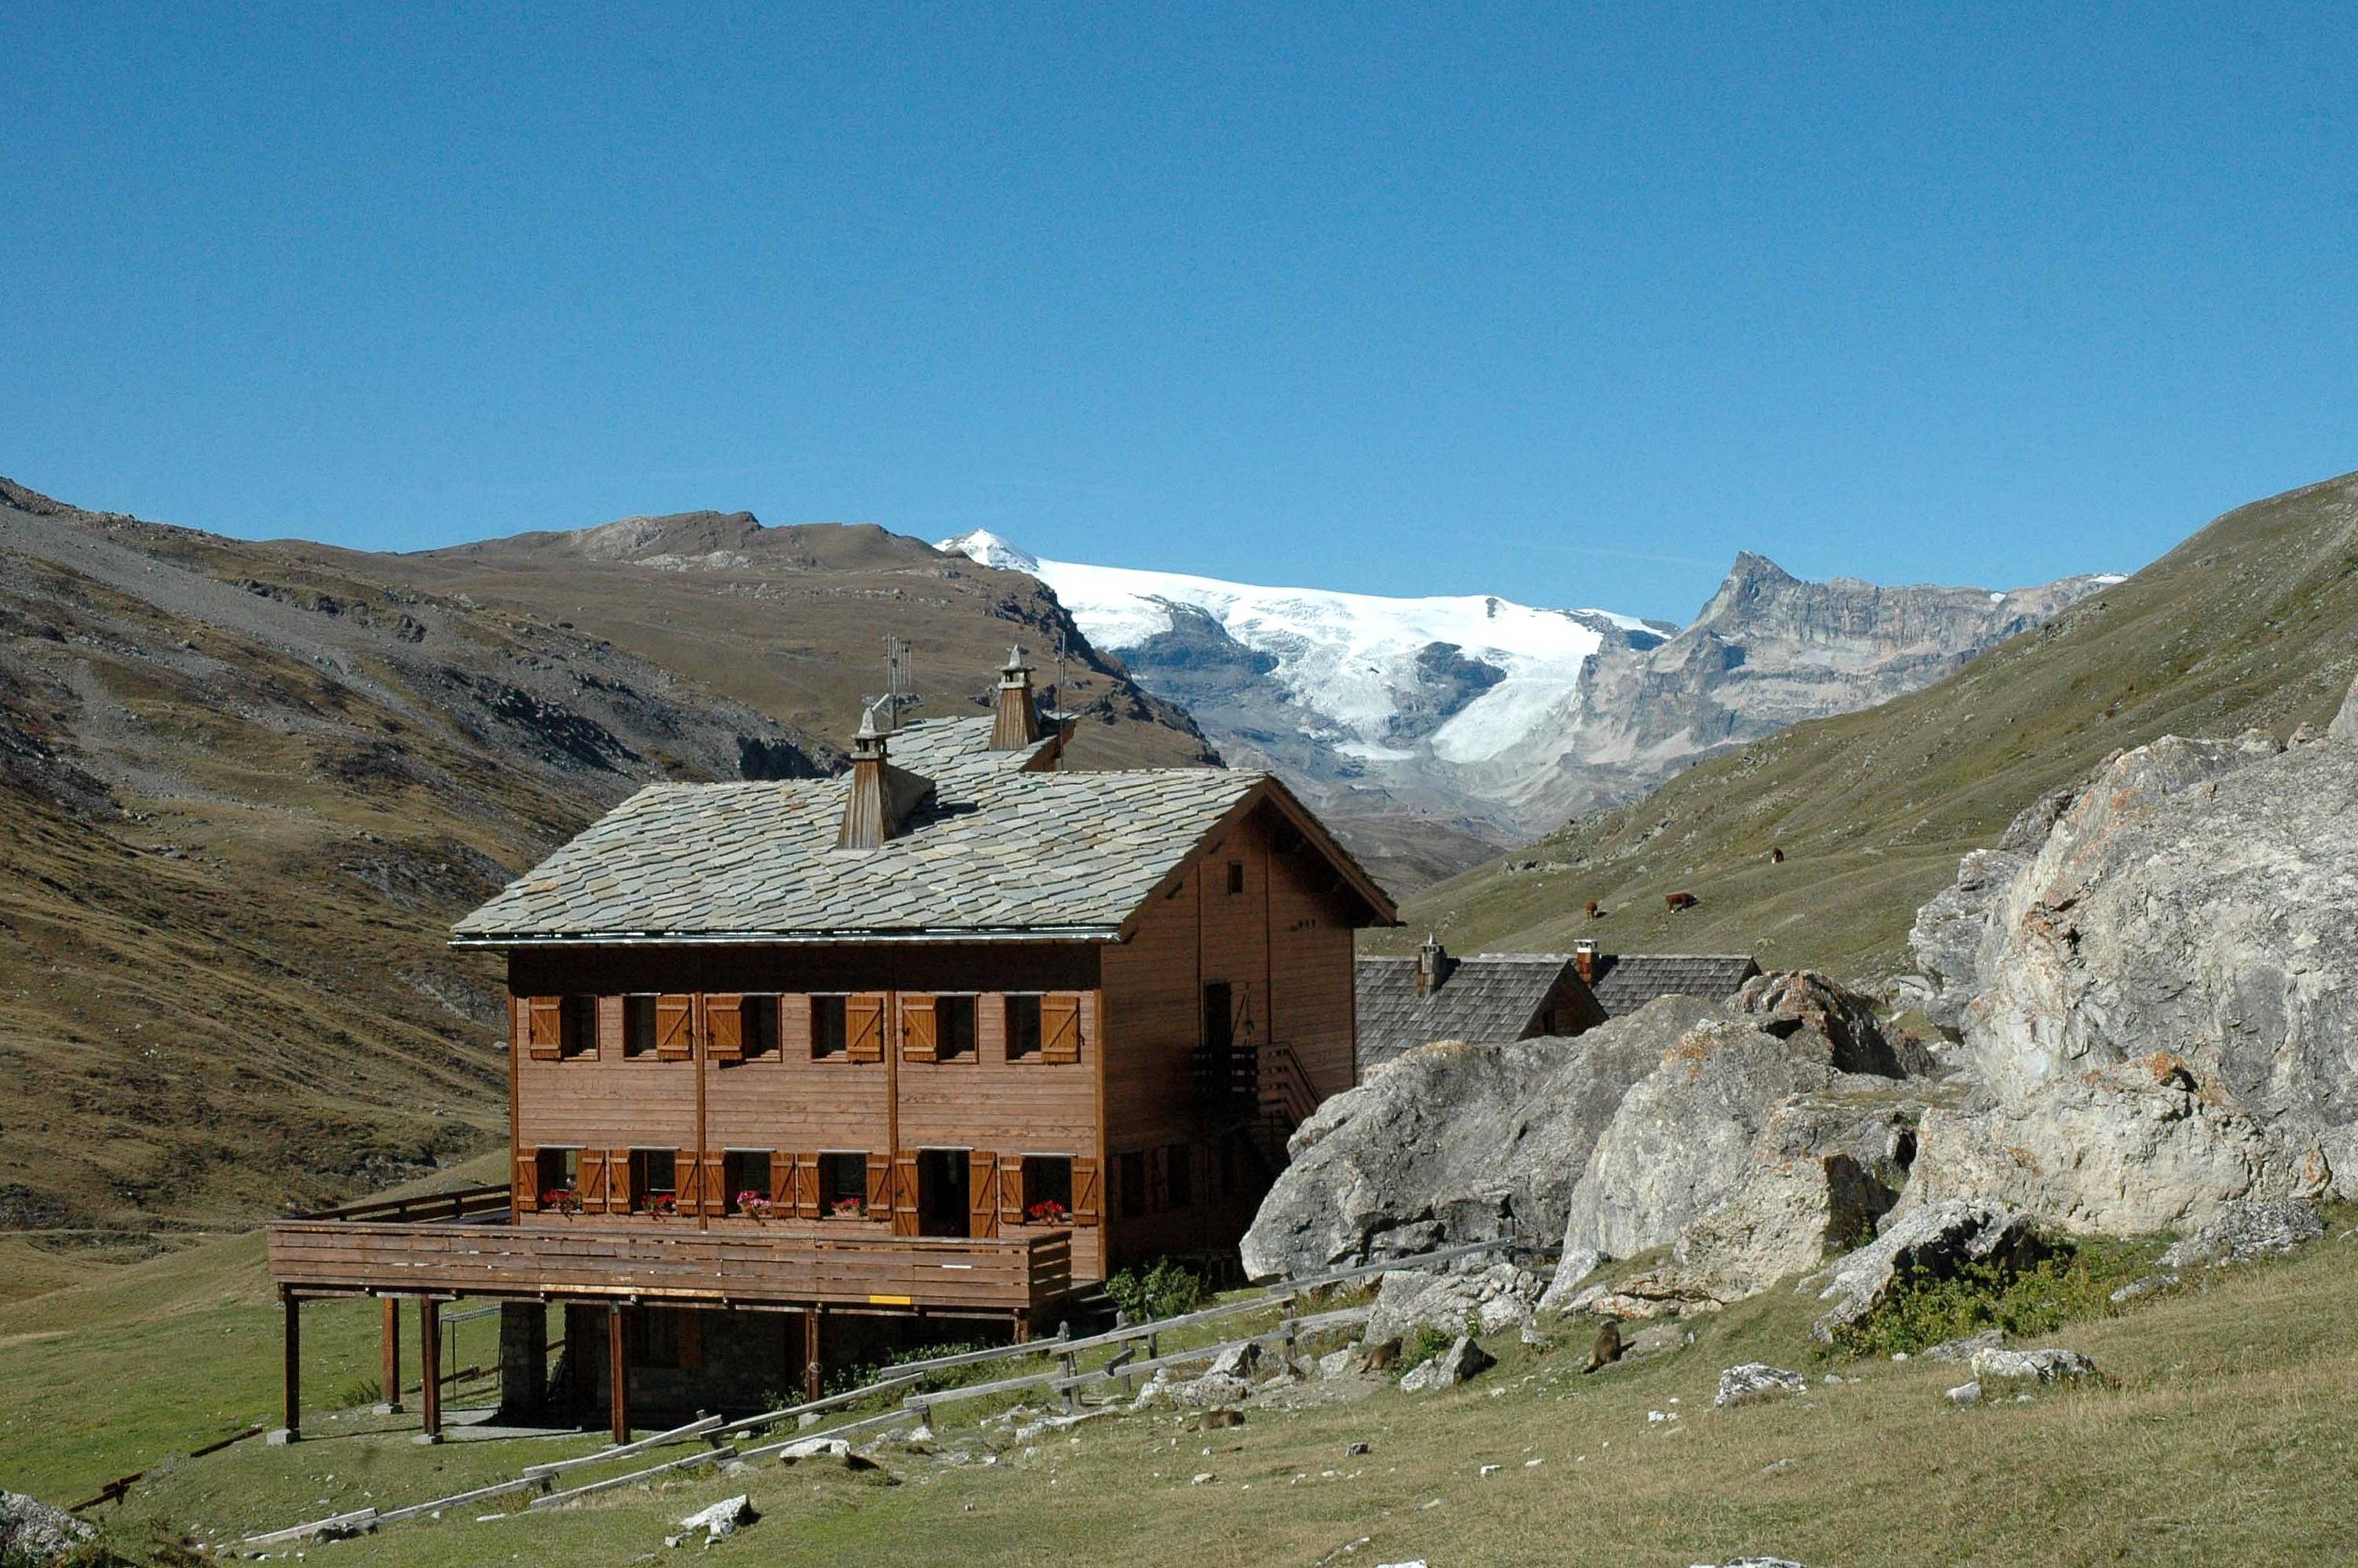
2253 621
2226 1439
245 787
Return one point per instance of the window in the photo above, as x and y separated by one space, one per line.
638 1025
558 1177
843 1186
1178 1176
1133 1183
580 1038
1023 1027
827 1034
953 1028
745 1181
654 1180
758 1020
1235 876
1047 1189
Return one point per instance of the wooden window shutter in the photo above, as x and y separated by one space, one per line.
864 1027
687 1187
544 1027
879 1185
1060 1027
674 1027
1158 1181
981 1193
527 1181
1088 1192
618 1180
806 1194
716 1194
592 1179
906 1218
784 1182
1010 1192
918 1037
724 1028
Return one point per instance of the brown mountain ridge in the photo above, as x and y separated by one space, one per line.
244 787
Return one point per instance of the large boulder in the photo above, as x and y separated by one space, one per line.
2129 1149
2160 1008
1932 1240
1784 1071
1947 937
1455 1142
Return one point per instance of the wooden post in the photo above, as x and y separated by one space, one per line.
618 1376
429 1366
814 1367
391 1379
1071 1365
292 1373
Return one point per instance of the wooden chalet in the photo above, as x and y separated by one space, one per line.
951 1035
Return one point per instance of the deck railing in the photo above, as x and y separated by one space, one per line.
584 1261
462 1202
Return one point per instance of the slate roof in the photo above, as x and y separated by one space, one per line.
1486 998
1627 981
994 851
948 750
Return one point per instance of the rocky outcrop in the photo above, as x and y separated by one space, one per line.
2157 995
1947 937
2246 1232
32 1532
2126 1150
1455 1142
1930 1241
1477 1301
1769 1131
1463 1359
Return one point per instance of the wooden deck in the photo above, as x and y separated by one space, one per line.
781 1263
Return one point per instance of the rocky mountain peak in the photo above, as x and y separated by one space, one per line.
680 535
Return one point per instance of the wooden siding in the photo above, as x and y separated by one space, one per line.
1282 943
793 1107
743 1263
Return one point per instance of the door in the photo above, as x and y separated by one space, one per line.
943 1182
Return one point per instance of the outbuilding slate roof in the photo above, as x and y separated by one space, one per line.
1486 998
993 851
1627 981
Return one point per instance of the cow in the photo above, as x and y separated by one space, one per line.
1595 909
1775 854
1678 900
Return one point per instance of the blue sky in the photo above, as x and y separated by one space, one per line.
1567 303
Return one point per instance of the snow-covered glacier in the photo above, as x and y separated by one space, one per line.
1447 725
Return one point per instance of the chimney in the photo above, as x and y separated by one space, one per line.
1584 961
1017 722
881 795
1432 966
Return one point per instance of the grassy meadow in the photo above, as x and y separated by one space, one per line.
2228 1435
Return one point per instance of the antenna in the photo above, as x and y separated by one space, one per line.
899 691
